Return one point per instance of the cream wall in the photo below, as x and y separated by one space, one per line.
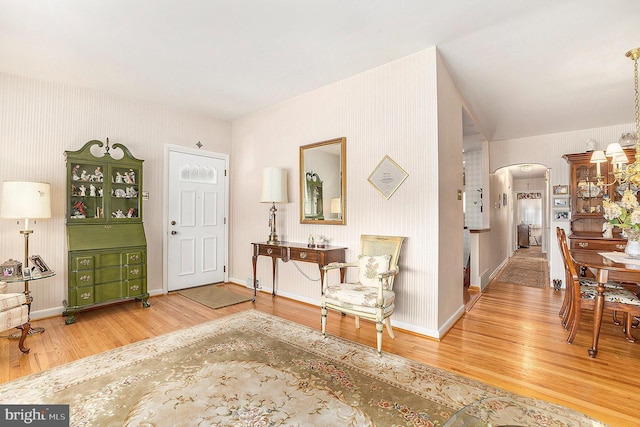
388 110
450 219
494 245
40 120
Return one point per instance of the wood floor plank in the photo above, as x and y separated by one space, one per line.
511 338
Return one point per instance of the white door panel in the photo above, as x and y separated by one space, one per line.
196 231
187 256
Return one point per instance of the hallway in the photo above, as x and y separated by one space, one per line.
527 267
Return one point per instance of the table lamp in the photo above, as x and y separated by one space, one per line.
26 200
274 190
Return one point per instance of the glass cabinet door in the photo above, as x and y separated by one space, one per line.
86 191
589 195
125 199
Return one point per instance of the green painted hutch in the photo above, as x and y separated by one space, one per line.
106 243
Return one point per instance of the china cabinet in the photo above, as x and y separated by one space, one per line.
586 199
107 248
314 203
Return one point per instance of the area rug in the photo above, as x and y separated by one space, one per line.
213 296
254 369
525 271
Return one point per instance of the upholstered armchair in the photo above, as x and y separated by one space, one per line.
14 313
372 296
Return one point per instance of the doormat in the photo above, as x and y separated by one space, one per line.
214 296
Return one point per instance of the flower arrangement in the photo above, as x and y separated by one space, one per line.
624 214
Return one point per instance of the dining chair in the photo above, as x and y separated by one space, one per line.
372 296
566 308
583 296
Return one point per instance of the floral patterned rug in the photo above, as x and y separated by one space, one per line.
254 369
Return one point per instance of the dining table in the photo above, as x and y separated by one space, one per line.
605 266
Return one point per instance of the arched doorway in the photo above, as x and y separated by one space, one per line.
529 191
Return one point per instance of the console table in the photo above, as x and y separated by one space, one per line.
296 252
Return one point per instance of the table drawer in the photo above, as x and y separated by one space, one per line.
308 255
271 251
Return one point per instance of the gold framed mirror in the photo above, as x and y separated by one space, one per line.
323 182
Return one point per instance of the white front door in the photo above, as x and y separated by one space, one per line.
196 230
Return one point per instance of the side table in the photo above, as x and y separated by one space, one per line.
27 292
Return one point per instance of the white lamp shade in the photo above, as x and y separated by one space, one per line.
598 156
274 185
336 205
620 158
613 149
26 200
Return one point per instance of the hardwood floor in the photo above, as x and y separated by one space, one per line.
511 338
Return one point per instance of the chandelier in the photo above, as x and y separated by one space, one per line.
626 175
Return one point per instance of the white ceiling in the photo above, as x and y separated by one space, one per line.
525 67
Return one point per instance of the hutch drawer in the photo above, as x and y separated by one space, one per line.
82 278
104 275
109 260
81 295
133 258
133 288
82 262
598 244
108 291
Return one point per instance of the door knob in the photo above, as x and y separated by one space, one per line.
174 232
173 223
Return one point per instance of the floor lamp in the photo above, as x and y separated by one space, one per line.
26 200
274 190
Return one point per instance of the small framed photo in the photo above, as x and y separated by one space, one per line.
8 272
11 269
561 189
39 263
26 273
561 215
560 202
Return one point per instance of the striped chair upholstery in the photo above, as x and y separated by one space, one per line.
14 313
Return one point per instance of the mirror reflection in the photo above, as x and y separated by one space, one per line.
323 182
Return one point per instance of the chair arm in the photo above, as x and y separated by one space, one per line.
334 265
389 273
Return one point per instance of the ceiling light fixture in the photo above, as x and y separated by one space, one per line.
624 173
